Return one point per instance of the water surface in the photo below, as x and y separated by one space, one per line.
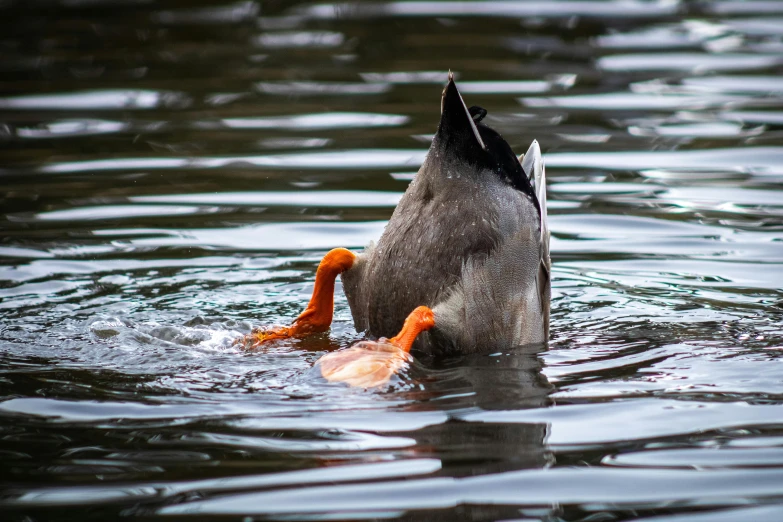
172 172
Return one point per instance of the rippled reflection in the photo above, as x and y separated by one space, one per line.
172 173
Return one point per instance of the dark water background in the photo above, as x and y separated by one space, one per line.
171 173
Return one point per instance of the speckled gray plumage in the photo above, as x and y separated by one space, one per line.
465 243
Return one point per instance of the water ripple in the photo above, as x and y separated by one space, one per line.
327 120
347 159
119 99
557 8
598 486
172 176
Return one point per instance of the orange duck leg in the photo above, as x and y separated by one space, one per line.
317 317
368 364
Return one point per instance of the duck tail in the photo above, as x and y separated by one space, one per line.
533 165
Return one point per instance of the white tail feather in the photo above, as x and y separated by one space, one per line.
533 165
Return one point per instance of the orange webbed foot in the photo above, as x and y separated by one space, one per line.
366 364
369 364
259 336
317 317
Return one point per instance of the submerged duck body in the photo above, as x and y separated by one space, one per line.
468 239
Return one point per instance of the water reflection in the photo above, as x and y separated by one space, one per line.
172 174
557 9
335 120
359 159
689 62
95 100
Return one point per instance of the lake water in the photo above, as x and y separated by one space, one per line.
172 172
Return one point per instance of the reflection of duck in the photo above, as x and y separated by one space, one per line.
470 389
465 254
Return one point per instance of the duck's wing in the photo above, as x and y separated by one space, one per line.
502 299
533 165
496 303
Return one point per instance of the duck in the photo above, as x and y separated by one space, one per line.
462 267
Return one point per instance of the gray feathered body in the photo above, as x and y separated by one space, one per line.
466 243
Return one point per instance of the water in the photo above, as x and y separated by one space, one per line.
172 172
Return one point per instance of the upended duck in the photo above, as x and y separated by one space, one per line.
462 266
